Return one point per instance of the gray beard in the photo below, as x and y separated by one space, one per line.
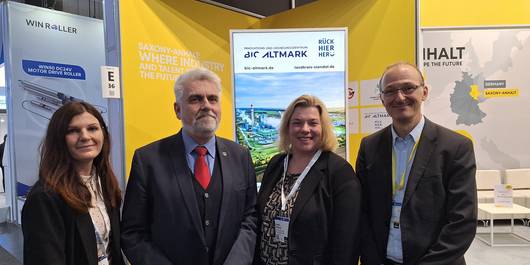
205 126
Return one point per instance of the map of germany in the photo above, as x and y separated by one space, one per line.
482 90
465 101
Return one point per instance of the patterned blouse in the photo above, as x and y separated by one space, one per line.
272 251
100 218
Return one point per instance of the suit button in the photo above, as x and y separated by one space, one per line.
207 222
206 195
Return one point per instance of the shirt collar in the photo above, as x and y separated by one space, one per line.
415 133
190 144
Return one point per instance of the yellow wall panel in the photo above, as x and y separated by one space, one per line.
380 32
457 13
183 25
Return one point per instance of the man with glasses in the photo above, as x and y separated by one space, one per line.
418 179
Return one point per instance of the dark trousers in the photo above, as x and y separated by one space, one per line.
391 262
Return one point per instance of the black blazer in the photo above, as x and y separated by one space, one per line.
55 234
439 212
161 223
325 221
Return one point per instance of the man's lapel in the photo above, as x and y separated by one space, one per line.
227 171
423 155
383 170
180 170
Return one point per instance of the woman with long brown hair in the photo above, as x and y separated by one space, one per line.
71 215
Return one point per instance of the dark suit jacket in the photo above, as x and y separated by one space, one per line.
325 221
439 212
161 223
55 234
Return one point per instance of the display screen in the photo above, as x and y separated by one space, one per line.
273 67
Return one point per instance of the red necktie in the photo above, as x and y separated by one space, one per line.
202 172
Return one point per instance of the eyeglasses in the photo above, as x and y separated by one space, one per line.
405 90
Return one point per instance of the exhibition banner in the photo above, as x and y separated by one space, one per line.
54 58
366 113
479 86
273 67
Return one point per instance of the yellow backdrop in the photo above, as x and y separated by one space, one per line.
160 39
379 33
457 13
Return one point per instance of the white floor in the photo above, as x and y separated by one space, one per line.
482 254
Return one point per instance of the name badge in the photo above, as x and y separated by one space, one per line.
281 226
396 213
103 260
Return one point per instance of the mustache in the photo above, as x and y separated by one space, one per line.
203 114
399 104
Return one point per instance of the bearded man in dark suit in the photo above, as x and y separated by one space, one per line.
191 197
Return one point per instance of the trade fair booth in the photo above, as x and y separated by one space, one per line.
474 55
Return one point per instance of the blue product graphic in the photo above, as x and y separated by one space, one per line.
46 101
57 70
45 78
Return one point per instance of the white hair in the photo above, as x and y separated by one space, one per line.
196 74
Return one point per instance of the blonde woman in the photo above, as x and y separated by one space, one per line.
309 203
